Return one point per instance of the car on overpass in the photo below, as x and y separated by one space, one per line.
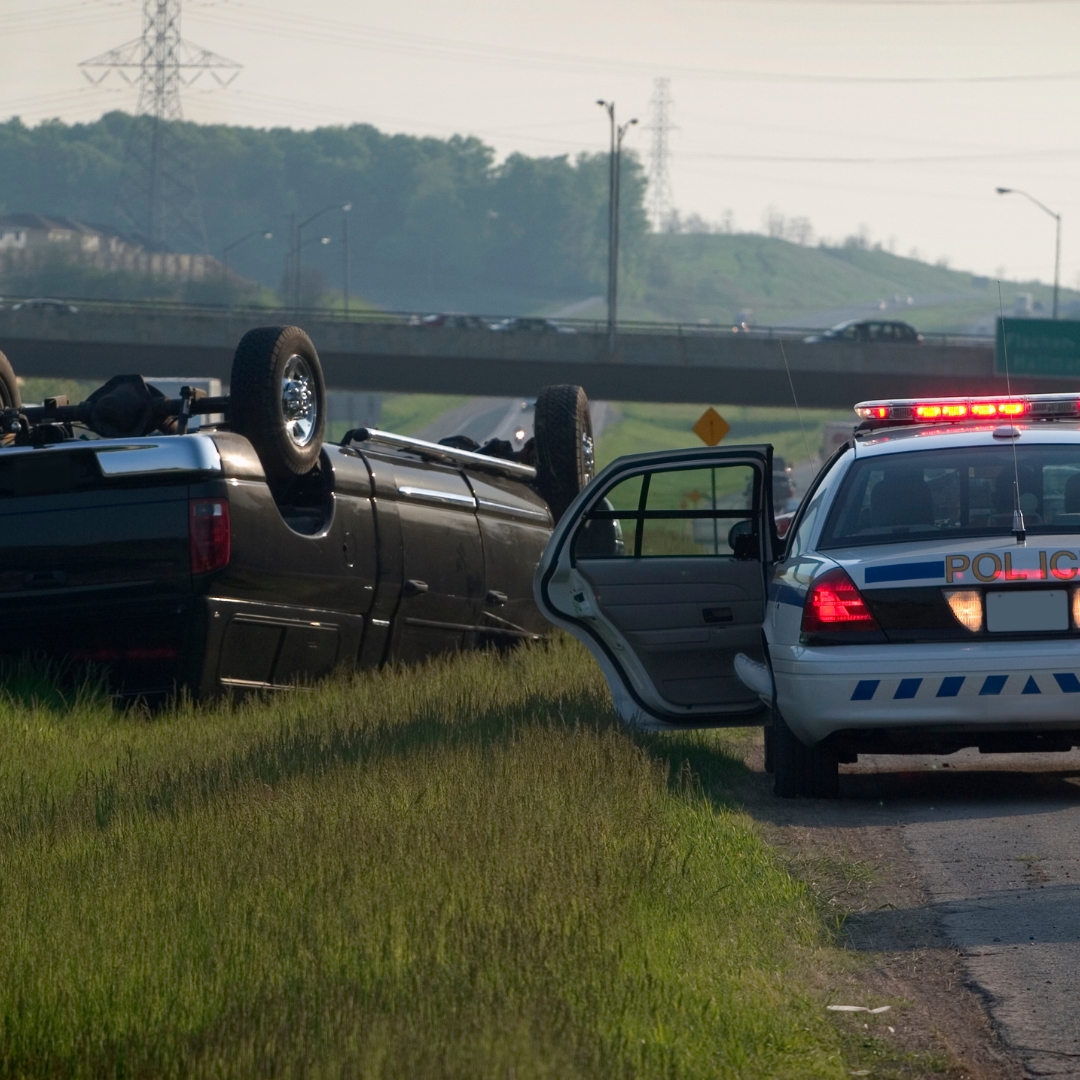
47 304
450 320
872 331
925 598
532 325
248 554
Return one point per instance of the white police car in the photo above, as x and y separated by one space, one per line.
925 598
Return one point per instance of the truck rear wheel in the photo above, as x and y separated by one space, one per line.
798 769
277 399
10 398
564 445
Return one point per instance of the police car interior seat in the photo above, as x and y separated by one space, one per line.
901 499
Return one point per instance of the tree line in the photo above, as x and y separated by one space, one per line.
434 222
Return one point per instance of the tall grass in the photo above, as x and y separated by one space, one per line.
461 870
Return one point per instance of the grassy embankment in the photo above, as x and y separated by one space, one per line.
460 870
689 277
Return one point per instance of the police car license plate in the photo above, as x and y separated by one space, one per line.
1019 610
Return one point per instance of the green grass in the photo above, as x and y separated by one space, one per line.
462 870
642 427
690 277
410 413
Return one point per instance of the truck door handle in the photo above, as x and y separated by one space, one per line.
413 587
495 598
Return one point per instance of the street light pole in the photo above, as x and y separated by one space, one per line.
1057 236
618 131
266 235
345 255
298 243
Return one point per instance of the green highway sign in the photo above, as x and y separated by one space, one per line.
1038 347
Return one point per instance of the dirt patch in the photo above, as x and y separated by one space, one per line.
868 884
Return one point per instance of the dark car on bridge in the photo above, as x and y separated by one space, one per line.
876 331
532 325
249 554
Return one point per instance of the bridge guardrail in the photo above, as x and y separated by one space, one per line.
264 313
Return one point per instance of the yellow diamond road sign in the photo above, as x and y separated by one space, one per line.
712 427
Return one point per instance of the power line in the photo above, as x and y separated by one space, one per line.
660 201
157 196
267 20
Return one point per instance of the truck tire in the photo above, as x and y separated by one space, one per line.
798 769
277 399
564 445
10 398
770 749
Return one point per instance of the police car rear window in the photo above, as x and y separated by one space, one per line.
967 491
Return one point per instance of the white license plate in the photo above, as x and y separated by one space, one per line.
1019 610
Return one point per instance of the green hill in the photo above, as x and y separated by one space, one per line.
715 278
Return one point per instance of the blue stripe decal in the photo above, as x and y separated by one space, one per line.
1031 686
905 571
993 684
782 593
950 686
1068 682
908 688
865 689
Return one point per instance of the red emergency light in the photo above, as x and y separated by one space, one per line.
938 410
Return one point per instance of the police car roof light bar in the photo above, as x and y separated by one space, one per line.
938 410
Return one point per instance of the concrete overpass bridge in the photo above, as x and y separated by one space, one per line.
653 362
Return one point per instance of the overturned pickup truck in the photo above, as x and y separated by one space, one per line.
248 553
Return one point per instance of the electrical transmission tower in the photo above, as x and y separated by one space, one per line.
158 198
660 203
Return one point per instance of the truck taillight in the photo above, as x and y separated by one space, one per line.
209 534
834 603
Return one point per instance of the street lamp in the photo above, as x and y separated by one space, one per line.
297 242
345 256
1057 235
618 131
235 244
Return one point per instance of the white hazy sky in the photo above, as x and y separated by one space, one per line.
898 115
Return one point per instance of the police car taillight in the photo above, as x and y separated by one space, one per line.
939 410
834 603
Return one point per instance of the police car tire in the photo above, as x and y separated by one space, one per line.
801 770
9 386
256 408
562 427
770 752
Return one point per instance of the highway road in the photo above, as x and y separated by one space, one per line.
501 418
995 841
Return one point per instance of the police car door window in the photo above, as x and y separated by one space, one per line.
677 512
968 491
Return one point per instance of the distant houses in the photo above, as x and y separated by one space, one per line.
30 241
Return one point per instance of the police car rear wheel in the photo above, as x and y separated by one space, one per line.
809 771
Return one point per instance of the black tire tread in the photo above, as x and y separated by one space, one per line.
559 411
255 410
10 398
800 770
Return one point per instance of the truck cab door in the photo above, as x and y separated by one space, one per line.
659 567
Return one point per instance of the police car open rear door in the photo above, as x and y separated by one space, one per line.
659 567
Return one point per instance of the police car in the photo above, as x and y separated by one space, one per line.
925 598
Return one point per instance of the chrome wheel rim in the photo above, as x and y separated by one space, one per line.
299 401
588 461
